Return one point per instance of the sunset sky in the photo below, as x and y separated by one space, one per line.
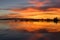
30 8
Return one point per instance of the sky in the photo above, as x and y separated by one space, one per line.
7 5
24 3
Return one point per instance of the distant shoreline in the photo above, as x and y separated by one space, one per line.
30 19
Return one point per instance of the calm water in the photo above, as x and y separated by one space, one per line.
10 30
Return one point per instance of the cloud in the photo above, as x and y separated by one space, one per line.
40 4
45 3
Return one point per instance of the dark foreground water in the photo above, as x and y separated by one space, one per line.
10 30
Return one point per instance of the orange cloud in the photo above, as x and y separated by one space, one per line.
37 13
38 3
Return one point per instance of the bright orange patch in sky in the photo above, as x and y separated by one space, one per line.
36 13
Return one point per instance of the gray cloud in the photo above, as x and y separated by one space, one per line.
45 4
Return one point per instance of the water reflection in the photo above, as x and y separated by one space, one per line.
21 30
33 26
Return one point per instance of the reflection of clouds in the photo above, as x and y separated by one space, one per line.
40 36
15 32
17 35
32 26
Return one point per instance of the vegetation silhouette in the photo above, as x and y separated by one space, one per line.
55 20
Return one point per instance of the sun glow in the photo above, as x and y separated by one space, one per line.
36 13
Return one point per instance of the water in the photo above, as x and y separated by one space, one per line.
21 30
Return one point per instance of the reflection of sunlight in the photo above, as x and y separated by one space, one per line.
32 26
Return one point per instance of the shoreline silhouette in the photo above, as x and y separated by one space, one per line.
30 19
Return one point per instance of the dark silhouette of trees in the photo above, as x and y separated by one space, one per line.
29 19
55 20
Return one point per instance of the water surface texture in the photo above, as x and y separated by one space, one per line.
21 30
